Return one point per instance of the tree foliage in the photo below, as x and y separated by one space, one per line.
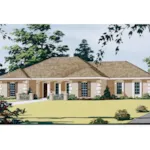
8 116
34 43
2 70
84 51
115 33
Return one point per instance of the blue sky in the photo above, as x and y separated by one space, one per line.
133 50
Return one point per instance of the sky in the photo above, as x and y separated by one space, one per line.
133 50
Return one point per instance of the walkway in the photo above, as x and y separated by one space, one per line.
27 102
141 120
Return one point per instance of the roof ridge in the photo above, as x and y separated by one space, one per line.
94 68
25 73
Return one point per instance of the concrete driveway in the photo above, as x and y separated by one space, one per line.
27 102
141 120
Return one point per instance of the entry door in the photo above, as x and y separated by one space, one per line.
45 89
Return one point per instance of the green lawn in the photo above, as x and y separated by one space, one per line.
79 112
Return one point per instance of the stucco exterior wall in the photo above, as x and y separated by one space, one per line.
20 88
103 86
93 89
128 88
32 85
74 90
111 85
145 87
3 89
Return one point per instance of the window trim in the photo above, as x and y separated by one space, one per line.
119 81
14 89
135 88
84 95
119 89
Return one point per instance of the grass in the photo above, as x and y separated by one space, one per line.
80 112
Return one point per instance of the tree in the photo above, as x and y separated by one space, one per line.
115 32
2 70
34 44
84 51
8 116
107 94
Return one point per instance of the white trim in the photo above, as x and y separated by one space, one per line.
133 89
122 84
133 78
68 78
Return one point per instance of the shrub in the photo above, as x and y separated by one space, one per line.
24 96
124 97
146 96
97 97
35 96
114 96
142 108
99 121
130 97
30 90
122 115
107 94
72 97
7 116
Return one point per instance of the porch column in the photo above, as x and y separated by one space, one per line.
98 87
59 87
48 88
26 86
38 88
70 87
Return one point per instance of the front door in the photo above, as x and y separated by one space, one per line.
45 89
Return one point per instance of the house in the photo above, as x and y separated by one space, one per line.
74 76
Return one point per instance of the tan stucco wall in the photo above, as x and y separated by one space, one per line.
111 85
93 89
103 86
20 87
4 89
128 88
145 87
32 85
74 90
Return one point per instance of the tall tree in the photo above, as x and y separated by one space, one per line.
2 70
84 51
34 44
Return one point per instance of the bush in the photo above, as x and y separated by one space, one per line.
146 96
97 97
7 116
114 96
35 96
124 97
107 94
141 108
24 96
122 115
72 97
99 121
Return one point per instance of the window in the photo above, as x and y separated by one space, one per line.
12 89
67 88
137 88
57 88
119 88
84 89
